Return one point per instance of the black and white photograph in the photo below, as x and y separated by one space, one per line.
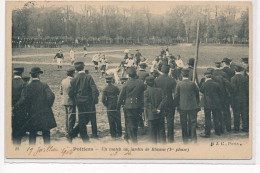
128 80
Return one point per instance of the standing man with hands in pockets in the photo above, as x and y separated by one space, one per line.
84 90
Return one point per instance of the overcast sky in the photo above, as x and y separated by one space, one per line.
154 7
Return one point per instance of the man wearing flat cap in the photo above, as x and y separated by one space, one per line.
142 74
168 85
187 99
154 104
39 99
18 113
84 91
109 100
68 103
212 99
240 99
131 96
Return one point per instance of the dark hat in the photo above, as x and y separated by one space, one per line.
123 78
185 72
71 70
19 69
207 73
131 71
79 66
191 62
165 69
210 70
245 60
149 79
109 78
172 57
137 50
155 73
218 64
238 68
26 78
226 60
144 65
35 70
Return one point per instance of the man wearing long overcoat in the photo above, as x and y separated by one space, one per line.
132 96
38 99
187 99
18 113
168 85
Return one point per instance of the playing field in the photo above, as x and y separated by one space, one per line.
43 58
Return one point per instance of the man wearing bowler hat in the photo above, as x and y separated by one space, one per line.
38 99
131 96
229 74
190 68
226 68
68 102
84 91
168 85
220 77
187 99
18 113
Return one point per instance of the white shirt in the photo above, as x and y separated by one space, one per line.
96 58
179 63
130 62
113 71
72 54
154 65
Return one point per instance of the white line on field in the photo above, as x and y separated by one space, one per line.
87 64
76 53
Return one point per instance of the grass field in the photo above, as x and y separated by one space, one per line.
29 57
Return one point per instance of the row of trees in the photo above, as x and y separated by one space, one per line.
178 25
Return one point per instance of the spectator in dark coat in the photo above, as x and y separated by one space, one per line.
131 96
221 78
18 113
154 104
229 74
226 68
84 91
168 85
109 100
240 99
39 99
187 98
142 74
212 103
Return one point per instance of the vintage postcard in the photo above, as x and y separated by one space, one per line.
128 80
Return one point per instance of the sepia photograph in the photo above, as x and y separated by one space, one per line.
128 80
